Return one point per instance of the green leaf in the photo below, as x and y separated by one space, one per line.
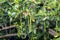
1 1
58 39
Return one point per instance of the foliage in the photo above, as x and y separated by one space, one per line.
30 16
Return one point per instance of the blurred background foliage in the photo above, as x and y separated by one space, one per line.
32 17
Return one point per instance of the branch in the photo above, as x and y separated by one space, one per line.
8 35
9 27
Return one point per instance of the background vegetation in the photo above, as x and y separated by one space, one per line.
32 18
